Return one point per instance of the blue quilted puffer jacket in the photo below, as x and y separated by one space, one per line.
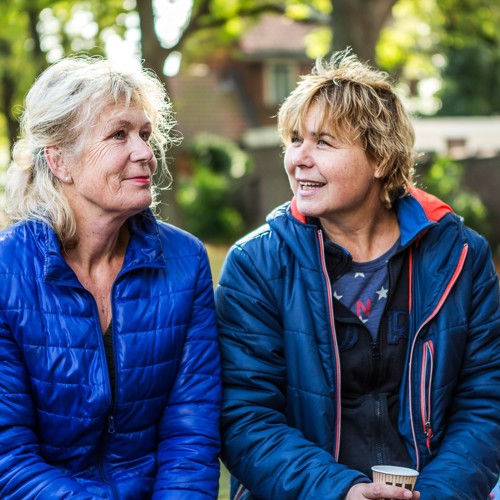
281 409
63 434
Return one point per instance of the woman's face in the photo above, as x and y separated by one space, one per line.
113 173
331 180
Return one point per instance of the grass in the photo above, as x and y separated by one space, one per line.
216 255
223 483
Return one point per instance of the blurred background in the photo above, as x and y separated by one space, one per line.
228 64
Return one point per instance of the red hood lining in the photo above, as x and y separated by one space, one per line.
434 208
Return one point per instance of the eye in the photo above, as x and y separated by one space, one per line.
119 134
146 135
328 141
295 138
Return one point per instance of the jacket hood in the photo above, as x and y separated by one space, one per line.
416 212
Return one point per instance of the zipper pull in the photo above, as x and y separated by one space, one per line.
429 434
375 350
111 424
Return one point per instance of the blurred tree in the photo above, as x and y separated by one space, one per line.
21 59
470 42
358 23
215 23
37 32
418 37
216 165
448 54
444 179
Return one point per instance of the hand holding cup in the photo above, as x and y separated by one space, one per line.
395 476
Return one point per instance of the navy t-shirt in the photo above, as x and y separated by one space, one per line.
364 289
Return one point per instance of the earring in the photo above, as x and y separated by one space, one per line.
67 178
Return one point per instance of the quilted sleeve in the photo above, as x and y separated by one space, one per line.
23 472
189 440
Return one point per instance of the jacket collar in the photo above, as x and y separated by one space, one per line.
144 249
417 212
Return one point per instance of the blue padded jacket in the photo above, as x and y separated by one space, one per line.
63 434
281 374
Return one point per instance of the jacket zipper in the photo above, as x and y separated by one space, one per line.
378 423
336 450
438 307
375 351
109 428
425 390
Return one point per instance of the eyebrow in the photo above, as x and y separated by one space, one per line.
121 123
315 134
322 134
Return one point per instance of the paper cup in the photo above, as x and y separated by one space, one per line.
395 476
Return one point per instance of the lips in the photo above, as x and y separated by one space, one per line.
141 179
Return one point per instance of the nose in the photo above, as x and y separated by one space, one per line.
141 151
298 155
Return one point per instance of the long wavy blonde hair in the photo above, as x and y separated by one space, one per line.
62 104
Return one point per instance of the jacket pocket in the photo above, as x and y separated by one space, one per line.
425 391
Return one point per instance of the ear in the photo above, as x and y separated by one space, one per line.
53 155
378 172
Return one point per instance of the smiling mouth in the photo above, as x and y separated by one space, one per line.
310 185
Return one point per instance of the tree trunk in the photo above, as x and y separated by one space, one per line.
154 56
357 24
153 53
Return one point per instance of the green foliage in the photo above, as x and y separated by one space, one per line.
205 195
37 32
470 82
453 42
215 25
470 42
405 45
444 180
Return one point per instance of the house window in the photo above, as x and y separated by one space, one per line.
280 78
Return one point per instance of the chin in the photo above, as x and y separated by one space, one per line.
137 208
307 210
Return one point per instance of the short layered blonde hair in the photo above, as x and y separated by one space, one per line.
359 105
63 103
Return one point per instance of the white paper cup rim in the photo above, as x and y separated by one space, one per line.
394 470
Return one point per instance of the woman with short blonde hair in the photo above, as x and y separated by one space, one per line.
359 325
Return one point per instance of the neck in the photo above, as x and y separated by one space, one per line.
99 243
365 238
97 259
